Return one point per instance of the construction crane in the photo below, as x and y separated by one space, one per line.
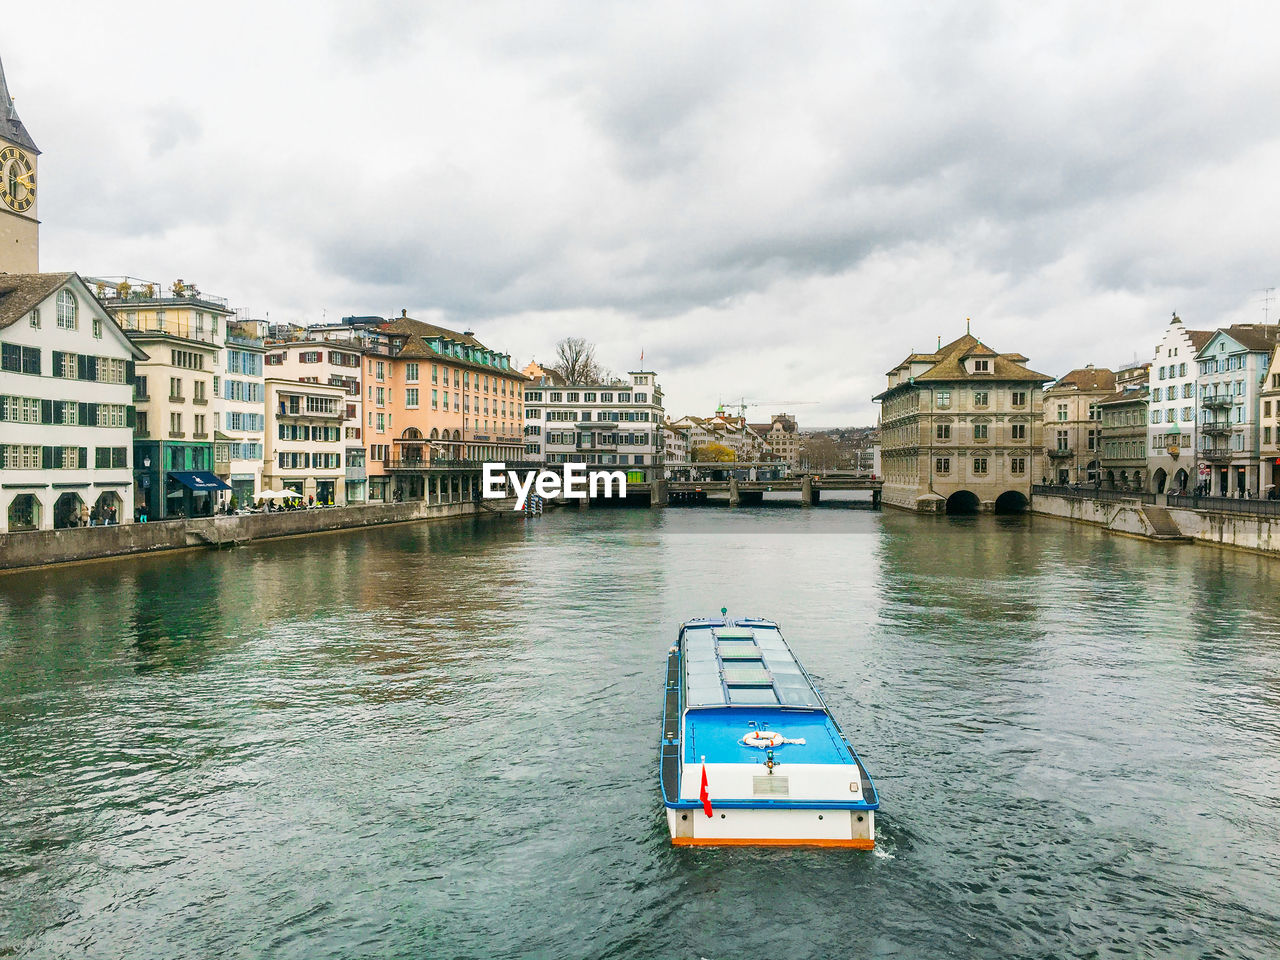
744 404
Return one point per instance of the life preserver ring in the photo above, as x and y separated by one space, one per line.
763 739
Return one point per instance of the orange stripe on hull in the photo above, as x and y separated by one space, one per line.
749 842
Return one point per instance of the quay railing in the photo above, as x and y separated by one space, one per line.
1091 493
1257 508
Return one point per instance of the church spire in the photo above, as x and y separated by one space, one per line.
11 127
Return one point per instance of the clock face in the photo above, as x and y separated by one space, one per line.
17 179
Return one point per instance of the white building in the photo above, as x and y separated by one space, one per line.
336 363
304 442
1171 434
240 413
614 424
675 447
1232 370
66 406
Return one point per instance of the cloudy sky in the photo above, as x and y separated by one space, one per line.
771 200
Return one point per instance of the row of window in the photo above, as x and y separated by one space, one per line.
1175 371
621 459
1171 393
1124 449
306 461
1017 431
241 451
980 398
1171 415
574 396
67 366
65 412
250 422
175 425
1017 466
302 431
244 361
247 391
602 438
21 456
186 359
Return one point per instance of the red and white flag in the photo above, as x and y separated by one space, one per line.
704 796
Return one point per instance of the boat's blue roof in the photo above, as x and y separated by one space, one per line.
717 734
742 662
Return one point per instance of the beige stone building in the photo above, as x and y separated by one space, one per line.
304 440
781 437
960 430
1073 424
1269 420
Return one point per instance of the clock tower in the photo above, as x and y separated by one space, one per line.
19 228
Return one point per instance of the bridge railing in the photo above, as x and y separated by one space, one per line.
1090 493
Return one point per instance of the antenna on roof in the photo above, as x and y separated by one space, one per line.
1268 295
966 324
939 341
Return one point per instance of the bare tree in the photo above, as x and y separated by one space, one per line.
576 362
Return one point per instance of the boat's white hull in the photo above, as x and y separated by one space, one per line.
773 827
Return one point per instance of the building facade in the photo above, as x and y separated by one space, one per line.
1171 408
240 413
1073 424
182 333
1124 440
618 423
781 437
1232 369
1269 465
675 451
19 208
960 430
304 441
432 394
337 363
66 406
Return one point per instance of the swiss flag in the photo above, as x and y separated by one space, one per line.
704 796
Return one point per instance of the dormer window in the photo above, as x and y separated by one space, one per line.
982 366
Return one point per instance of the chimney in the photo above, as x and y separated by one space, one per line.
404 312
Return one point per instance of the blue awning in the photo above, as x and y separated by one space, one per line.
198 480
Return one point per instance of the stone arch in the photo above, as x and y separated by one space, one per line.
69 511
1011 501
25 512
457 434
962 502
1158 479
1180 481
411 433
108 508
435 434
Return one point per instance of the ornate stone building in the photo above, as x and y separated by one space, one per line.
960 430
1073 424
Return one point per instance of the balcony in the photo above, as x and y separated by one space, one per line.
1218 401
1216 455
1064 453
311 414
1216 428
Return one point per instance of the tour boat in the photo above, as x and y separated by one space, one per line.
750 753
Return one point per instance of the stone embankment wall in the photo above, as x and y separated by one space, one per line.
1247 532
40 547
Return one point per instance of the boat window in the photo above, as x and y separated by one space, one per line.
738 650
761 695
747 674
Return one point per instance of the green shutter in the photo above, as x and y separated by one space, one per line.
131 416
130 371
57 364
59 411
46 411
46 458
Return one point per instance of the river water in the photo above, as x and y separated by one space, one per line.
440 741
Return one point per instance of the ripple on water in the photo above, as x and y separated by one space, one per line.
439 741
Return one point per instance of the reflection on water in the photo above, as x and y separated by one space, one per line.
439 740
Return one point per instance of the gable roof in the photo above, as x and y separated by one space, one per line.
20 293
11 128
1004 366
1088 378
1254 337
